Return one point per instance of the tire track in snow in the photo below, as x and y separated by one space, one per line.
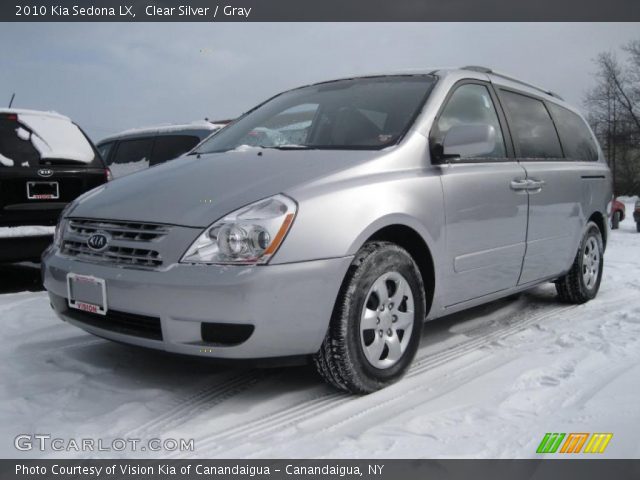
332 400
428 363
200 401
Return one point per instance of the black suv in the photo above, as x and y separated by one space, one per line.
46 161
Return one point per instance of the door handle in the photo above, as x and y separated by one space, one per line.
534 184
519 184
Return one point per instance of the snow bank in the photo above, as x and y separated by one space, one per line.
25 231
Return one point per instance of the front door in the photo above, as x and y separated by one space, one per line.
485 204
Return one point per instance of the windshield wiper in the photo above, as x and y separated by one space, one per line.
292 147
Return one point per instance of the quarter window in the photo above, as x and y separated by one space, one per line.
470 104
104 149
576 137
532 128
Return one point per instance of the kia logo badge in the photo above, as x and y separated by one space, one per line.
98 241
45 172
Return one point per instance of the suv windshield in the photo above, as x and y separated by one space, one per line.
361 113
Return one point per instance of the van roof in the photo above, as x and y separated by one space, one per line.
166 128
442 71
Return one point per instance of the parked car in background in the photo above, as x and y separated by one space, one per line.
636 215
46 161
403 198
137 149
617 213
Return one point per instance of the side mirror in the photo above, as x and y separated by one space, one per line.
469 141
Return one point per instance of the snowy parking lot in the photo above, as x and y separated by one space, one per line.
489 382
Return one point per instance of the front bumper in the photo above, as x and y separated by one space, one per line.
289 305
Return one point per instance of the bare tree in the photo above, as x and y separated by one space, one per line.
613 106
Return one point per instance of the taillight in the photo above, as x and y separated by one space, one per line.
108 175
12 117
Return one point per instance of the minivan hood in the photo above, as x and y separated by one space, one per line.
195 192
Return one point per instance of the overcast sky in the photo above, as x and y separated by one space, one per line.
109 77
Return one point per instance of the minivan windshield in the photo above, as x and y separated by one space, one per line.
361 113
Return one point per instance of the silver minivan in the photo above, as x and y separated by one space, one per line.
331 221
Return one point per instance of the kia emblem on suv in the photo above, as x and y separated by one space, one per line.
98 241
45 172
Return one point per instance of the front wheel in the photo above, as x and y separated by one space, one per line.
375 328
582 282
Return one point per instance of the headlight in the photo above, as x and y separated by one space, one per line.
250 235
58 234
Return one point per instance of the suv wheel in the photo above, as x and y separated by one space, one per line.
582 282
615 220
375 328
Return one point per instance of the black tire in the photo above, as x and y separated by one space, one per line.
638 227
571 287
341 360
615 220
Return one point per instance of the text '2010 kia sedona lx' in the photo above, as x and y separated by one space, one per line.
371 205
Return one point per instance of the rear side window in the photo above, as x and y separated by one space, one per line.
133 151
168 147
576 137
531 125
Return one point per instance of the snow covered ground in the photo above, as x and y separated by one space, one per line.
488 383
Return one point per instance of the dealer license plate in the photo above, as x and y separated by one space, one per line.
87 293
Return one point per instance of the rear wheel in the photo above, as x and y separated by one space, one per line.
615 220
375 328
582 282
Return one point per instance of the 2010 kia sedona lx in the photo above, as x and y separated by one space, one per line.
368 206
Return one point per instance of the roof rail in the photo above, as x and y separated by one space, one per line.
476 68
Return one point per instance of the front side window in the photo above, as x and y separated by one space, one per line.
470 104
532 128
362 113
577 141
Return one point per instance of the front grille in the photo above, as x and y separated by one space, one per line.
120 322
132 244
130 231
137 257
